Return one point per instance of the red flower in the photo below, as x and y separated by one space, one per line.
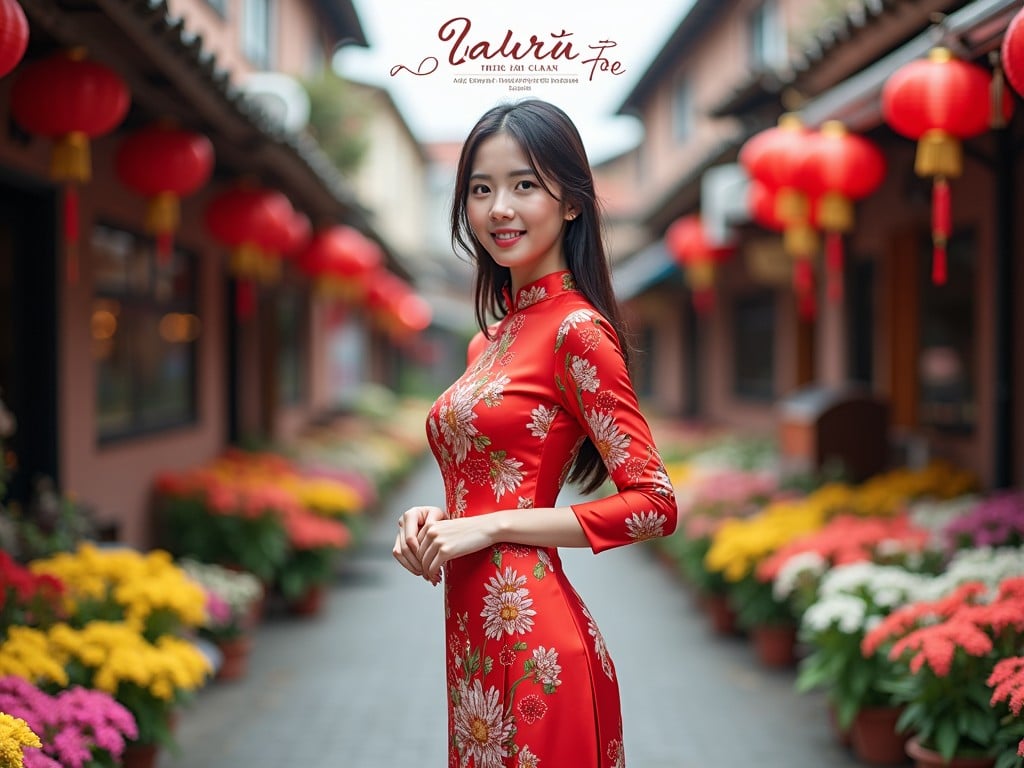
532 708
1007 679
936 645
905 619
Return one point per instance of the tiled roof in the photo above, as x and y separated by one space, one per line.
848 23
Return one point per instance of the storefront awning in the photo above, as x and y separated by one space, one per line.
648 267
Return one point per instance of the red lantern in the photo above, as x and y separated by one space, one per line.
69 99
939 101
164 164
838 168
687 242
774 158
13 35
1013 52
340 259
412 314
244 218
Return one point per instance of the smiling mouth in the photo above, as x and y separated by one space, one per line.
499 236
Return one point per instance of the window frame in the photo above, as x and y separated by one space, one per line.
765 301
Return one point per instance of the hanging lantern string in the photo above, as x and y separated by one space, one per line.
834 265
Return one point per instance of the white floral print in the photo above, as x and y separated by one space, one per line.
543 418
547 668
507 606
642 526
609 441
585 374
457 417
505 474
599 646
527 759
531 296
481 730
572 320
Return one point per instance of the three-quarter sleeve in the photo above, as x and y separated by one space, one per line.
593 381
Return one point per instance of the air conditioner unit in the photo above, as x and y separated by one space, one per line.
281 97
723 201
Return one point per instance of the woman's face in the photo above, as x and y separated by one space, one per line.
511 214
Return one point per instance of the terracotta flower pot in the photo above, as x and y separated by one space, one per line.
775 645
722 615
309 604
929 758
874 738
140 756
236 653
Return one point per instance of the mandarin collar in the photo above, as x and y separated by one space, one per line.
541 289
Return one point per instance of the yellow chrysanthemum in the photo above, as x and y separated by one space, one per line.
740 544
139 583
328 497
28 653
15 735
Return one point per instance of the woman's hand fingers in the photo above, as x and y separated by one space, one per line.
445 540
407 543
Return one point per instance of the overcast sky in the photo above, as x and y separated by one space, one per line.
406 37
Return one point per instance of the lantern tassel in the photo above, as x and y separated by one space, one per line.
71 231
703 300
245 300
941 221
834 265
70 158
163 216
803 276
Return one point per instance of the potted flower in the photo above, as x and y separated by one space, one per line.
850 599
77 727
27 599
212 516
150 679
122 584
18 745
231 600
949 648
1007 683
315 545
996 521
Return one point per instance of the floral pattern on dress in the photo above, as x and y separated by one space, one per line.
529 676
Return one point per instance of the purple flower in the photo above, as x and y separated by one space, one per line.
995 521
71 724
36 759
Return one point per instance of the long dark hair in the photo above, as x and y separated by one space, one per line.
551 142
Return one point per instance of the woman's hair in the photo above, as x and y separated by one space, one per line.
551 142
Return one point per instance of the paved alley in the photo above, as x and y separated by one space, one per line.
362 685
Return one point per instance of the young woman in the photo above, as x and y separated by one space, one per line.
546 397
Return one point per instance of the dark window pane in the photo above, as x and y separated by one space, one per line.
291 353
754 346
946 364
144 332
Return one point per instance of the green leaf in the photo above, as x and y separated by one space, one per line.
488 665
538 571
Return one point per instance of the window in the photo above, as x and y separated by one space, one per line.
946 363
256 42
682 109
764 27
144 332
754 346
291 368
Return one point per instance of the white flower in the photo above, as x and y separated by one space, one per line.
492 391
547 667
507 606
611 444
599 645
481 730
545 559
584 374
793 570
527 759
543 418
642 526
847 612
531 296
505 474
456 418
